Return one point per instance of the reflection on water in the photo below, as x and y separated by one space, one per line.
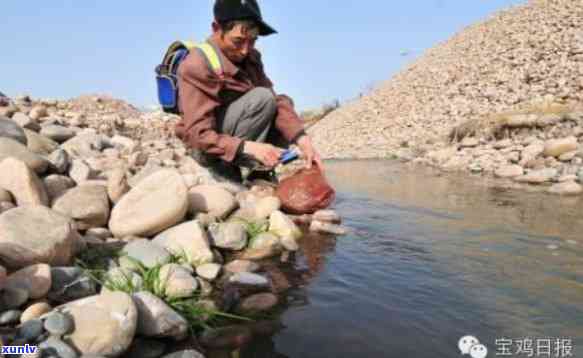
430 258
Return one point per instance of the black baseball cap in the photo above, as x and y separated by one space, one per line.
228 10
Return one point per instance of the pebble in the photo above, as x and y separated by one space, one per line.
208 271
145 348
238 266
58 324
552 247
249 279
30 330
34 311
10 317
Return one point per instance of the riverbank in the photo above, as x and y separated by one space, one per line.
502 97
115 242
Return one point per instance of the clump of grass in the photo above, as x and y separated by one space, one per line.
255 228
196 314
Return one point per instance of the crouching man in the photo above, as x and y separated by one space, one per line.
232 117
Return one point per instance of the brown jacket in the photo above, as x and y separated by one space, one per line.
203 92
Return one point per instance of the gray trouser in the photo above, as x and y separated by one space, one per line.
251 117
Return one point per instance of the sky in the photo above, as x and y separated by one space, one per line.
325 49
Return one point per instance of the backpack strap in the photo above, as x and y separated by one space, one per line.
212 58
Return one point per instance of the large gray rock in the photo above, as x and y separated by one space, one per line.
160 201
147 252
157 319
88 205
9 129
211 199
12 148
36 234
104 324
187 239
40 144
24 185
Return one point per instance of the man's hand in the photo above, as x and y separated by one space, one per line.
267 154
310 154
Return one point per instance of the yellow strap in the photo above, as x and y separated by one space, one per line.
189 44
212 56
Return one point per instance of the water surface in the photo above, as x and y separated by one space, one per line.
431 258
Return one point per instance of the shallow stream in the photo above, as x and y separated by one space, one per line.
431 258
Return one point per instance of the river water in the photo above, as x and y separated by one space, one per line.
431 258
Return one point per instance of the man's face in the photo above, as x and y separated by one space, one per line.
237 43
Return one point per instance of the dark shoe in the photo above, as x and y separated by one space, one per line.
226 172
268 176
220 170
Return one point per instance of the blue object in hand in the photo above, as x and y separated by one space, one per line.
288 156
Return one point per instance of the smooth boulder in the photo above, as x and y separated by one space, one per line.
160 201
23 183
40 144
189 239
104 324
14 149
157 319
94 209
9 129
35 279
36 234
211 199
